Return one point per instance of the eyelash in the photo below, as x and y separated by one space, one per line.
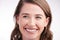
38 17
25 16
35 17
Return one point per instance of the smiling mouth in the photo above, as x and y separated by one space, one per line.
31 30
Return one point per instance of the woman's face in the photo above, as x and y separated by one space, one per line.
31 21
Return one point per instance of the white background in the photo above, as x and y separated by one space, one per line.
7 8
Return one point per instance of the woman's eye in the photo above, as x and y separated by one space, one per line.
25 16
38 17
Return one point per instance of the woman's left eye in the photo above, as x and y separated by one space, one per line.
38 17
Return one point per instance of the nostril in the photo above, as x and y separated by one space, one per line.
32 23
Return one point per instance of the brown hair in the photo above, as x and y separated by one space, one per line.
46 34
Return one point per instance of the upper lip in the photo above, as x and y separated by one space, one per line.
31 28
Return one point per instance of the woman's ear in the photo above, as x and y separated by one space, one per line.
17 19
46 21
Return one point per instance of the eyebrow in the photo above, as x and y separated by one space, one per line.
24 14
35 14
39 15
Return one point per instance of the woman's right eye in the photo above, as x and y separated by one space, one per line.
25 16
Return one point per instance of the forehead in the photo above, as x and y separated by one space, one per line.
31 8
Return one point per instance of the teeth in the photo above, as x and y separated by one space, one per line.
31 30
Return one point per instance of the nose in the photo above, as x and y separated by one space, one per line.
32 22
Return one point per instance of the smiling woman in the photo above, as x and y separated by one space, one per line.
33 19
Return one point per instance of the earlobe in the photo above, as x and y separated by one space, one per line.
47 21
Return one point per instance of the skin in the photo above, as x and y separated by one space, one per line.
31 21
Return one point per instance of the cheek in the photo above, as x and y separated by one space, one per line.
41 23
41 27
22 22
